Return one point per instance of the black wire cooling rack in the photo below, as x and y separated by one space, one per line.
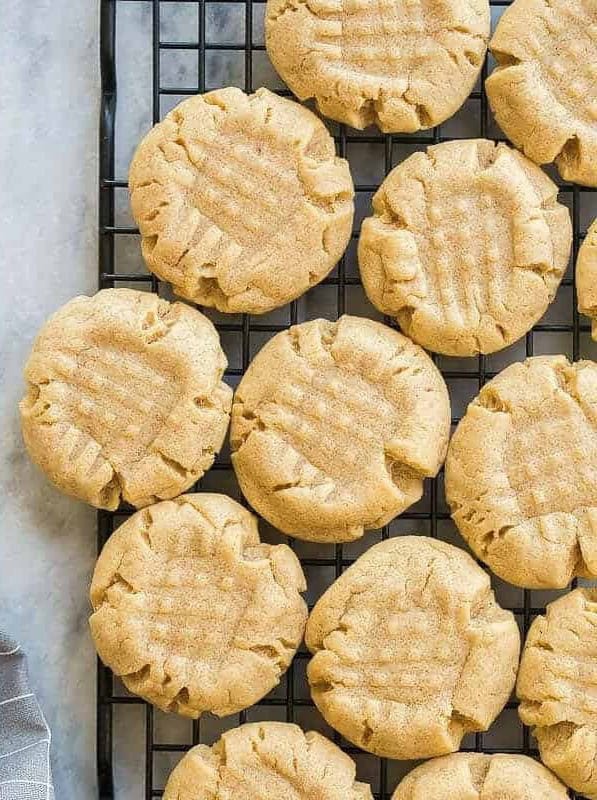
560 331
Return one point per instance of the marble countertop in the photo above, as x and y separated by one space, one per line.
49 103
49 99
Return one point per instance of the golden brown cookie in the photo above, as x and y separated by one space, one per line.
586 277
521 473
476 776
240 200
192 611
543 91
466 246
125 398
556 688
411 650
273 760
404 65
334 427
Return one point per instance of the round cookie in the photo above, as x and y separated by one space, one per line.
192 611
466 246
334 427
521 473
400 64
411 650
241 201
543 91
477 776
273 760
125 398
586 277
556 688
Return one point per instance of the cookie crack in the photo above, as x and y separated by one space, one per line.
288 5
570 151
505 59
117 581
280 658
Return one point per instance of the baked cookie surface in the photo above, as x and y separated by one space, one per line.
555 688
334 427
521 473
404 65
466 246
410 649
273 760
240 199
125 398
543 91
192 610
586 277
476 776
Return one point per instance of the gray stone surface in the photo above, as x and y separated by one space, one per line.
49 95
49 98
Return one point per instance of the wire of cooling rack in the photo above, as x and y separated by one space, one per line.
335 559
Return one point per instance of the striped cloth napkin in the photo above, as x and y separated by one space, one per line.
24 734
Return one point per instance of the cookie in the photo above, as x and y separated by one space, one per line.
125 398
404 65
466 246
556 688
586 277
273 760
334 427
192 611
476 776
410 650
521 473
240 200
543 91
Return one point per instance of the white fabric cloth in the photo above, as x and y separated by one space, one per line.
24 734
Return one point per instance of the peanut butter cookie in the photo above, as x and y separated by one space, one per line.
586 277
192 610
543 91
466 246
273 760
521 473
404 65
411 650
125 398
334 427
240 200
476 776
556 688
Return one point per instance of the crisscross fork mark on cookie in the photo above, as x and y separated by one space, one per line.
400 646
367 36
543 91
557 48
547 480
330 433
102 383
379 61
556 688
520 473
305 413
192 610
125 398
243 183
237 196
466 247
267 761
228 187
477 776
374 37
